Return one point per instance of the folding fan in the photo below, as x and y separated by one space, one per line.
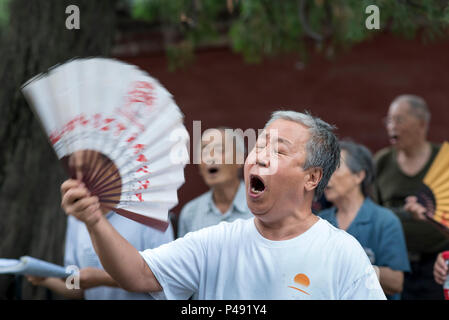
118 130
435 193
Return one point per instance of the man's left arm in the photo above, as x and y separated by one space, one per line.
392 281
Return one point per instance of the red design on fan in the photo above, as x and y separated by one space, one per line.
54 137
143 169
142 92
142 158
143 185
131 139
120 128
138 147
107 121
132 117
69 126
97 117
83 120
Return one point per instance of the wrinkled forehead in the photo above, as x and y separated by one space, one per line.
289 133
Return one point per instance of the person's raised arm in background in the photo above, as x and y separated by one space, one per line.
111 247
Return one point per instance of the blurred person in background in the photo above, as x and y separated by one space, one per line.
222 173
400 171
377 229
94 282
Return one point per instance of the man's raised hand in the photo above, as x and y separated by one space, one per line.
78 202
416 209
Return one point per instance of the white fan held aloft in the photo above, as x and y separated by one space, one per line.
116 129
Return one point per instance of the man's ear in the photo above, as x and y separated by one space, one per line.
313 178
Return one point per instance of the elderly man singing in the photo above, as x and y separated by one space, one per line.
283 252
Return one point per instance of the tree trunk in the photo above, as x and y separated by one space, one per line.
32 222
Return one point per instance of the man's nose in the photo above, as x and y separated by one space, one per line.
262 163
262 158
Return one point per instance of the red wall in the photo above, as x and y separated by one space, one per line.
352 91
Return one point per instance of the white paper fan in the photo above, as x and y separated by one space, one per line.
118 130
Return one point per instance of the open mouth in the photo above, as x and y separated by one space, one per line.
394 138
257 186
212 170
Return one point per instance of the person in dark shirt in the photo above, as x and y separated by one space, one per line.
377 229
400 171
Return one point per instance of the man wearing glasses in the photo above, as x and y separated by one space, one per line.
400 171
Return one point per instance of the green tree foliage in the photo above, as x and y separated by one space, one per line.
4 12
261 28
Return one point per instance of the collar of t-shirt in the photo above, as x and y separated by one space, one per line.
305 237
238 204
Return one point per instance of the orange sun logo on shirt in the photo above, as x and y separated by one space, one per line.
302 280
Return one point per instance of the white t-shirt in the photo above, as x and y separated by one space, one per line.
234 261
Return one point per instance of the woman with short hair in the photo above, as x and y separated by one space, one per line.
377 228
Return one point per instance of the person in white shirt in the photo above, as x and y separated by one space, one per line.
284 252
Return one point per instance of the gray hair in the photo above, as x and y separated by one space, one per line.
359 158
417 105
322 149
